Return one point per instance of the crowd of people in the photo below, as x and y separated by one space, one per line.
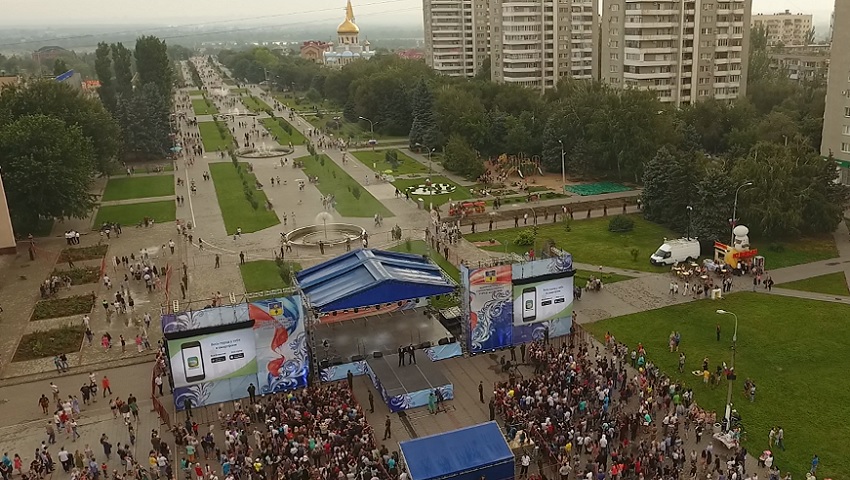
589 414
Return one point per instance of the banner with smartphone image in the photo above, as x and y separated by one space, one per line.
543 301
213 357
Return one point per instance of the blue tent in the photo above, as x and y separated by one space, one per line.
363 278
465 454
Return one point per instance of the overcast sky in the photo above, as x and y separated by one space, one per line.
57 13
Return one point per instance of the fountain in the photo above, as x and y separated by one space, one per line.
325 230
263 151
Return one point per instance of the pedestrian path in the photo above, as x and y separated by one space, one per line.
131 201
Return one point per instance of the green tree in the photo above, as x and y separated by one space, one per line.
47 169
122 65
59 67
424 130
103 68
62 101
483 73
153 65
149 126
461 158
669 183
715 194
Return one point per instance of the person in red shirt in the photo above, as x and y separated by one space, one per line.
105 386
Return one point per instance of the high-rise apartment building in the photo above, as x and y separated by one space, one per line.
457 35
684 50
836 118
535 43
785 28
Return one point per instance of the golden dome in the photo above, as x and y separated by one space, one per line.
347 26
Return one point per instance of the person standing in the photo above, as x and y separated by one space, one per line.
401 353
252 393
525 462
492 407
350 377
522 352
412 352
388 428
371 402
717 329
780 438
432 403
481 391
105 385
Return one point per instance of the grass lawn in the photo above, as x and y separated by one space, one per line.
195 92
334 180
796 252
792 348
301 104
348 130
419 247
460 193
830 284
132 214
48 343
254 104
236 210
202 106
282 137
589 241
261 275
582 276
376 160
125 188
212 137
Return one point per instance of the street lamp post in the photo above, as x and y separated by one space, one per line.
563 164
371 131
690 209
430 151
735 209
731 373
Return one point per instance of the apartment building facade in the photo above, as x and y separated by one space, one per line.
685 51
801 62
535 43
457 35
836 119
784 28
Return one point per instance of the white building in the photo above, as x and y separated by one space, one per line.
684 50
836 118
785 28
457 35
348 47
537 42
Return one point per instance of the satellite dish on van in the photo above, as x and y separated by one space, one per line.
740 231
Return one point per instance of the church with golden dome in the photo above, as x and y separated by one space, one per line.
348 47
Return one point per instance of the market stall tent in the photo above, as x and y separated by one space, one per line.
471 453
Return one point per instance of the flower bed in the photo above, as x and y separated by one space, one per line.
80 275
63 307
77 254
49 343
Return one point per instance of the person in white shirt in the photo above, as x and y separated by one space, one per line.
525 462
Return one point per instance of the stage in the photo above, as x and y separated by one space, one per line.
409 386
377 333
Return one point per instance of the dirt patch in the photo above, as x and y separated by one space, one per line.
78 254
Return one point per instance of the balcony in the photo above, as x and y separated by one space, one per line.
648 76
653 37
673 11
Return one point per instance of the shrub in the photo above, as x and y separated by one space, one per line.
48 343
525 238
776 247
634 252
355 191
80 275
620 224
391 157
63 307
83 253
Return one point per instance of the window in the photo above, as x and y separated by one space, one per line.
615 56
615 8
846 130
847 112
845 147
614 69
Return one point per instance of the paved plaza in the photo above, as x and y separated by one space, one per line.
22 424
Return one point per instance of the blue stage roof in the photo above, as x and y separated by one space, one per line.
362 278
465 453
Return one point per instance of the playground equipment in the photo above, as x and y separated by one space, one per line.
522 165
466 208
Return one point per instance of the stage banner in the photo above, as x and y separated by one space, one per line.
282 355
490 308
443 352
340 372
212 368
542 298
206 318
350 314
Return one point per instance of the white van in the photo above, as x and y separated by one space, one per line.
675 251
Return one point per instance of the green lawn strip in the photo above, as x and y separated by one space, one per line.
830 284
203 106
48 343
792 348
334 180
376 160
419 247
134 213
281 136
236 210
125 188
254 104
261 275
348 130
781 254
460 193
211 137
582 276
301 104
195 92
589 241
